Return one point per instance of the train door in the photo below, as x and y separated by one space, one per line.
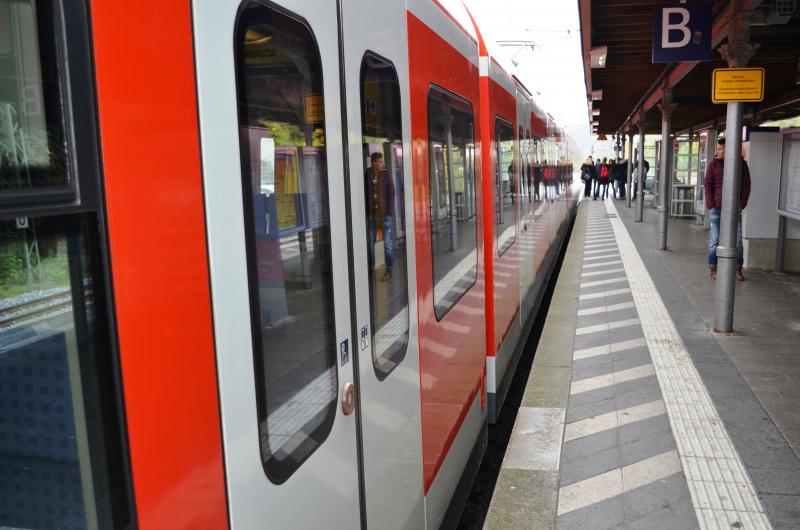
380 182
269 98
526 203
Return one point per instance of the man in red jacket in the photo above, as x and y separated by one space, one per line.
713 198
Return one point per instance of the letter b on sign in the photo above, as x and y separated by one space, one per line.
681 33
669 27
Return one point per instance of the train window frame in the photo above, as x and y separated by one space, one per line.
383 366
501 121
283 469
70 50
78 206
464 106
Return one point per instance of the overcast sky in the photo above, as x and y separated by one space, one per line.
553 70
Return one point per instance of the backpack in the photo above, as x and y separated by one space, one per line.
604 171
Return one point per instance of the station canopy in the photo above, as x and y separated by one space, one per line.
617 40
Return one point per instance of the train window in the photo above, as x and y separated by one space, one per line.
452 195
33 155
382 137
287 226
505 225
61 463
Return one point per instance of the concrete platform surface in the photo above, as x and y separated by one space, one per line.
635 415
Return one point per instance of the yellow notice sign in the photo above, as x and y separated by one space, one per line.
314 108
737 85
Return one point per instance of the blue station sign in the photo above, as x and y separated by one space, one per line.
681 32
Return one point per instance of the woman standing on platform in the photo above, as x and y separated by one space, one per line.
602 179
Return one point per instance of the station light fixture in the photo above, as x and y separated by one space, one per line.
598 56
597 95
595 112
595 123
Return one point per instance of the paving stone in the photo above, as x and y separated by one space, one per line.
589 445
592 320
580 371
590 410
648 391
589 465
651 445
523 499
585 399
775 481
548 387
605 514
644 428
658 498
783 510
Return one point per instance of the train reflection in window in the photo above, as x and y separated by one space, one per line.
285 186
452 195
382 138
505 220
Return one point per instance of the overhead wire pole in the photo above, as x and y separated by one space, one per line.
665 182
737 52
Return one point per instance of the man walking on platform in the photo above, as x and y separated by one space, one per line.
713 200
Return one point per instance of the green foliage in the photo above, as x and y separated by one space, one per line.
285 134
51 271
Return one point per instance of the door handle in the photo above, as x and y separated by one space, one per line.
348 398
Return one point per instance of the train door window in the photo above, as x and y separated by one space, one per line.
537 169
452 185
505 201
528 168
62 456
382 138
288 235
521 149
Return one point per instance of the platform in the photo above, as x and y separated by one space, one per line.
635 415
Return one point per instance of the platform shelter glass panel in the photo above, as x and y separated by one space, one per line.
288 234
505 225
382 141
452 183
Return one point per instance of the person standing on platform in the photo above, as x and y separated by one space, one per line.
635 176
588 176
621 178
713 199
602 180
380 209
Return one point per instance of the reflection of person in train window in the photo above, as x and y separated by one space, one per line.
380 209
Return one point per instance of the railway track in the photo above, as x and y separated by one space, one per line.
35 308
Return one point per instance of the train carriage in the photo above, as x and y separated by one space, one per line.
297 245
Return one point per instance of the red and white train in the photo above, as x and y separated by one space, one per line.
263 330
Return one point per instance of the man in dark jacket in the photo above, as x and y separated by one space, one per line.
620 178
380 211
588 175
713 199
